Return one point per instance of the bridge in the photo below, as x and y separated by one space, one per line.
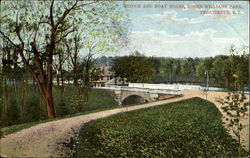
124 94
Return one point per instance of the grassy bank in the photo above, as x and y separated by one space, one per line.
191 128
35 113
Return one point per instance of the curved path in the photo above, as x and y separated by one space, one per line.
48 139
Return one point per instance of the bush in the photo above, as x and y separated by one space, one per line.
34 108
13 116
62 108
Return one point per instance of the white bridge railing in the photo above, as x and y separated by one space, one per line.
173 86
144 90
165 86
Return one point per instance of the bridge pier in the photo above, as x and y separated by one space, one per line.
118 96
153 96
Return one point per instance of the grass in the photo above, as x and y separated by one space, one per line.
98 100
18 127
15 128
191 128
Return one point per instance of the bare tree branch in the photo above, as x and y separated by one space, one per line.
51 13
66 12
15 45
65 35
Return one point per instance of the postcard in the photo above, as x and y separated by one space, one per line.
124 78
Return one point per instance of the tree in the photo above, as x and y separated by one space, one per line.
107 37
38 32
176 69
185 68
106 33
240 55
202 66
59 62
235 105
232 68
217 75
166 69
135 68
73 47
156 64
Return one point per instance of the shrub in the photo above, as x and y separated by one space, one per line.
13 115
33 108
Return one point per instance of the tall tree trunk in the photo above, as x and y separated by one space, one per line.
62 83
75 75
34 83
23 95
87 76
58 79
48 91
49 103
61 76
5 96
41 99
15 86
62 86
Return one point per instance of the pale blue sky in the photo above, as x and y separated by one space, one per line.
186 32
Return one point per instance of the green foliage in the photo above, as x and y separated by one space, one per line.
100 99
235 105
34 108
185 68
203 65
31 111
191 128
62 101
79 99
239 66
13 112
62 108
43 28
14 128
221 68
218 68
135 68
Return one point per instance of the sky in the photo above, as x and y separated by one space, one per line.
186 32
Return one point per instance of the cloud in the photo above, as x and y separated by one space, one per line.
172 17
193 44
207 34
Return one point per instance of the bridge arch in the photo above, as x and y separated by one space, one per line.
120 93
134 99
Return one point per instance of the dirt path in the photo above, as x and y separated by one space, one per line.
47 139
